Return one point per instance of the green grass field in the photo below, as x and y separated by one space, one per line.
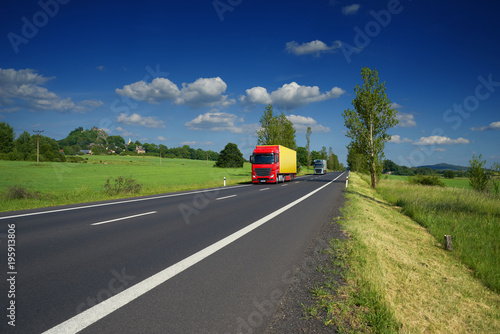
460 182
470 217
67 183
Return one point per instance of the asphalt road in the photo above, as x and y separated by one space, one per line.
215 261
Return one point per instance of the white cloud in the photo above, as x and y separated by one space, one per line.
23 89
101 68
193 143
256 95
293 95
395 105
405 120
289 96
492 126
396 139
204 92
440 140
158 90
136 119
350 10
8 110
161 138
439 149
220 121
314 47
124 132
300 123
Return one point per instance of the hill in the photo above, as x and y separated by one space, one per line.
444 166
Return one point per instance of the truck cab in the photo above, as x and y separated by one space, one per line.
273 164
319 166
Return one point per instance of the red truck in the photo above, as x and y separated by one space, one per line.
273 163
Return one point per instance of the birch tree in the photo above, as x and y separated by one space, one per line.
368 122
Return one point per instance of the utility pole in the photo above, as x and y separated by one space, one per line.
37 145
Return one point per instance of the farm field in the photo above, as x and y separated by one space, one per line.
67 183
459 182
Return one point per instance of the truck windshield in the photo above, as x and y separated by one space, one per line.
318 164
264 158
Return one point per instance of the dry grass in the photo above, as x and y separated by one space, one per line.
428 290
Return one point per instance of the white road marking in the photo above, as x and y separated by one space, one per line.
99 311
123 218
284 185
225 197
264 189
120 202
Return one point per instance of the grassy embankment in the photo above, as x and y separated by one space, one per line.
399 277
67 183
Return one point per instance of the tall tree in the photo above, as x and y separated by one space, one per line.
368 123
276 130
323 153
25 146
6 138
356 161
301 156
333 160
308 145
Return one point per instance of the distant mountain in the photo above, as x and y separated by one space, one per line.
444 166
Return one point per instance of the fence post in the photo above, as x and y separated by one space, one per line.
448 243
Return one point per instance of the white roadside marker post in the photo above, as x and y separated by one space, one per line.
346 180
224 181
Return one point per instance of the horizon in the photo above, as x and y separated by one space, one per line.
201 74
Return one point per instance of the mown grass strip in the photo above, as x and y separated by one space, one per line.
398 277
470 217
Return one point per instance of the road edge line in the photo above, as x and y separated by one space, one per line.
101 310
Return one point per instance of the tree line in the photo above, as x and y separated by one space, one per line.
275 130
94 140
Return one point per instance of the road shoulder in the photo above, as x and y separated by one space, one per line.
290 316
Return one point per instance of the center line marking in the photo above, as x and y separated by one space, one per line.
225 197
99 311
264 189
122 218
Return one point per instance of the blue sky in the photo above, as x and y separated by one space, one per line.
201 72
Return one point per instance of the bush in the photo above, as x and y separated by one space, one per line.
449 174
478 178
230 157
426 180
20 192
75 159
122 186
